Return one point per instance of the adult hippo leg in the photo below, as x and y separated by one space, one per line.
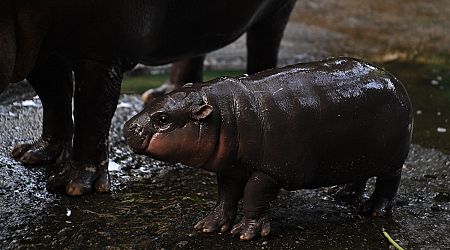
181 72
264 38
259 191
224 213
380 203
52 81
96 95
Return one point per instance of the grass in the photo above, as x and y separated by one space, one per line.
139 84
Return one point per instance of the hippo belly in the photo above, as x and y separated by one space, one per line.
161 32
346 147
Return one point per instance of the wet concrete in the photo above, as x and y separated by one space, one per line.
154 205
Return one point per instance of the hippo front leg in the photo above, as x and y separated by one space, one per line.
224 213
259 191
52 81
96 95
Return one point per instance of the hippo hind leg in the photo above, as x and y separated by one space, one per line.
381 201
52 81
264 38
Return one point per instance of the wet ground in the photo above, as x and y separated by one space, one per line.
154 205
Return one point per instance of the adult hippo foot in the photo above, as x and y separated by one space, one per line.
77 179
151 94
220 218
250 228
377 207
42 151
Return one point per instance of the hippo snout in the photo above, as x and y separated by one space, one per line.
138 133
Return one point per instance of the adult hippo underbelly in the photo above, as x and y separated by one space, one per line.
215 25
100 40
166 31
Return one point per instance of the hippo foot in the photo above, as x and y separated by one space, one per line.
151 94
42 151
250 228
220 218
377 207
77 179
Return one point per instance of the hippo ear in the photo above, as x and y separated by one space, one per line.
202 111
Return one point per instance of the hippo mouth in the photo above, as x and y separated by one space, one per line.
139 145
136 138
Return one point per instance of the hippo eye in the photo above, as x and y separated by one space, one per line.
163 120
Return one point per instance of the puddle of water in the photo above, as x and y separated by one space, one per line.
428 86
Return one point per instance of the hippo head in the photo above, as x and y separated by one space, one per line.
176 127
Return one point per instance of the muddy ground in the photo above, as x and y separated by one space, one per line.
154 205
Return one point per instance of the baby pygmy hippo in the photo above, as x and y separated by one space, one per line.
338 121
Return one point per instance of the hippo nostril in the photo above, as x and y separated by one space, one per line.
132 126
140 131
137 129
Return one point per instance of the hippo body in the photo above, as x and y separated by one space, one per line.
303 126
47 41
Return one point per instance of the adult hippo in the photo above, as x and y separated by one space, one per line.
45 41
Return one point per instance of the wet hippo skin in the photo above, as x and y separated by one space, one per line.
47 41
338 121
